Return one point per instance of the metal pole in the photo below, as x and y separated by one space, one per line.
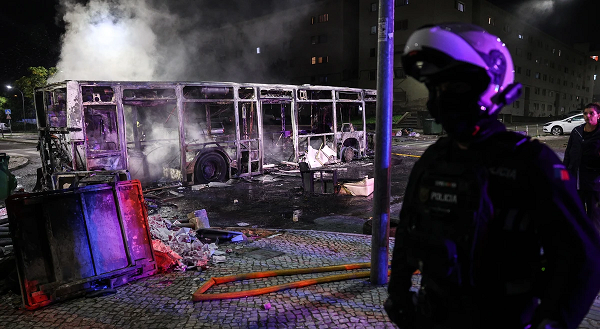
23 98
383 146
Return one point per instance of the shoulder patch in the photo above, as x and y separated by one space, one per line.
560 172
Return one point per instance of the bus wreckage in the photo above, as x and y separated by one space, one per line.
191 132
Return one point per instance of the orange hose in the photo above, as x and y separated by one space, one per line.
200 296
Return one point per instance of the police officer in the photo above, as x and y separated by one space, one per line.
490 218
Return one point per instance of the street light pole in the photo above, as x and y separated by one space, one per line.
23 99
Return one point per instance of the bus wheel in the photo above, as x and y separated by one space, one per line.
347 154
210 167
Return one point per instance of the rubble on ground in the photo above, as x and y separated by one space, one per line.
178 247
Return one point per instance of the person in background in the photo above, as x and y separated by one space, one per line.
490 218
582 158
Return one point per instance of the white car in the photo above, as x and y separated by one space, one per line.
563 126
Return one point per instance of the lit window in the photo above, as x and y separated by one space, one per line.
323 18
460 6
320 60
258 50
374 29
490 21
313 60
521 36
594 77
313 20
595 58
559 52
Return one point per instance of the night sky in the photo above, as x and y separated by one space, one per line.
30 30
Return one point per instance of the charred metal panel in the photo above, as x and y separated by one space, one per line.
97 94
275 93
207 92
348 95
152 136
314 94
149 93
106 162
68 241
74 111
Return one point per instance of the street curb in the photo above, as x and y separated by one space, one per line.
18 166
19 140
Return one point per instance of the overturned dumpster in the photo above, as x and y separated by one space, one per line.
72 242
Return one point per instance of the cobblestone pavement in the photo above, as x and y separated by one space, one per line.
164 300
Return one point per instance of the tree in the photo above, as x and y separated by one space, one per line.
3 101
38 78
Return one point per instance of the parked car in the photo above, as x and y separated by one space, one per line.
566 125
4 127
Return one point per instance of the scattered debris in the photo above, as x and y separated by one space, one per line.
199 219
199 187
267 306
318 158
296 215
363 188
242 224
180 245
219 184
219 259
266 179
209 233
290 163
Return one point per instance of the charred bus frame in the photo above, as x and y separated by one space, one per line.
193 132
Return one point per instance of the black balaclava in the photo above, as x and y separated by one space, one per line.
454 104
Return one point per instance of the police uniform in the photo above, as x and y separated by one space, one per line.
533 246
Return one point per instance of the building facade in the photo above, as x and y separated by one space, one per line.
556 77
334 42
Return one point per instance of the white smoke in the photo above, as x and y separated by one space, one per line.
148 40
109 41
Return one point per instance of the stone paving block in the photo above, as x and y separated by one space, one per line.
164 300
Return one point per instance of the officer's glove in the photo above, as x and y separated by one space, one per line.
402 315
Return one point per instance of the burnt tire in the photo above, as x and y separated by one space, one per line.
210 167
347 154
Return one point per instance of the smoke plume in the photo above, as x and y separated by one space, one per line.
176 40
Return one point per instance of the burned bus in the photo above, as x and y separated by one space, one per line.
191 132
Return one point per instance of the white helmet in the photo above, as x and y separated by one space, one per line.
438 53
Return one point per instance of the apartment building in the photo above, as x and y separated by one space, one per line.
312 43
556 77
334 42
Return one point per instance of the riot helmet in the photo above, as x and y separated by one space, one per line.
469 73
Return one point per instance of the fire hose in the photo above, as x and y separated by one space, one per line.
200 296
